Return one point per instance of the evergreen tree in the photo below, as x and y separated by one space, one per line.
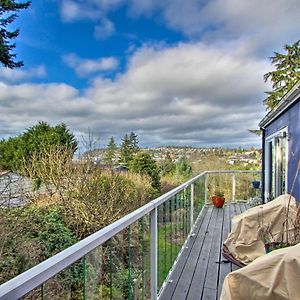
133 140
183 167
125 151
36 139
168 166
129 148
110 153
8 9
286 75
143 163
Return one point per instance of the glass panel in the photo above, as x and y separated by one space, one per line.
273 172
130 262
68 284
119 269
187 206
199 194
120 266
145 242
161 244
96 265
282 166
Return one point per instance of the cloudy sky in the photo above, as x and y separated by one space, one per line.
175 72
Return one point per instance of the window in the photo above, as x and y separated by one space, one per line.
276 164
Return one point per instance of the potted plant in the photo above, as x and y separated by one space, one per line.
256 184
218 199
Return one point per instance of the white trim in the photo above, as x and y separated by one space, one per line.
278 132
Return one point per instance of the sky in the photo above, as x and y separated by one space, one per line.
175 72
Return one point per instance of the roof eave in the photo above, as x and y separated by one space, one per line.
284 104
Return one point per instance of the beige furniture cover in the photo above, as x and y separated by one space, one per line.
266 222
273 276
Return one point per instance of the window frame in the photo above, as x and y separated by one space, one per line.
273 182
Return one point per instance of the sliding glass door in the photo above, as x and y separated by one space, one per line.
276 164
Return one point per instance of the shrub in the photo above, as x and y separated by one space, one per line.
103 199
29 235
143 163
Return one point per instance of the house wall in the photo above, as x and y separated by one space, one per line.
290 118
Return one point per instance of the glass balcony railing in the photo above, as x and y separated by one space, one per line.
133 257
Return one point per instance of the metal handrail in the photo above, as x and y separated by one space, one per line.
36 276
231 171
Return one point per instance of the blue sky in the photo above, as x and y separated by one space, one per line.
176 72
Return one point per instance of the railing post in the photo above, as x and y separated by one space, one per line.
192 207
233 187
153 253
205 187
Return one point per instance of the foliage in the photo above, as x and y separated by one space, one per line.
110 154
143 163
174 174
35 140
219 194
102 199
8 9
125 151
257 132
129 148
134 143
85 201
29 235
183 168
286 75
167 166
11 153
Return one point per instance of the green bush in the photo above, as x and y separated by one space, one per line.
34 140
29 235
143 163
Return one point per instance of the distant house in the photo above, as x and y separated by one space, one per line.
281 147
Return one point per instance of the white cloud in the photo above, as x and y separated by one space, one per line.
265 24
72 10
105 29
84 67
93 10
16 75
188 94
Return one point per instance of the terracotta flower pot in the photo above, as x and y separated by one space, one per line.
218 201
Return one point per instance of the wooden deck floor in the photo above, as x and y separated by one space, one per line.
201 269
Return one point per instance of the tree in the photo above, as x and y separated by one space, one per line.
7 58
133 140
183 167
37 139
168 166
143 163
125 152
286 75
111 150
129 148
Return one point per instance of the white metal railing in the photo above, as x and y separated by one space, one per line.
233 174
172 217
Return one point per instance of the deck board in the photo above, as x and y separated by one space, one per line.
200 270
225 268
197 281
191 252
